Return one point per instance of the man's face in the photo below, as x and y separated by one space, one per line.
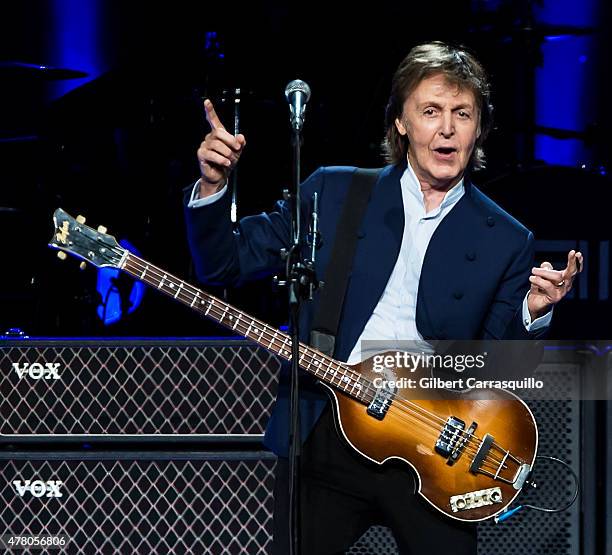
442 122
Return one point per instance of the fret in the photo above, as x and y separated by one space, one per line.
287 350
345 380
309 365
246 333
236 322
312 364
197 296
337 376
281 350
178 290
354 385
161 283
142 275
208 307
223 314
328 370
272 340
284 351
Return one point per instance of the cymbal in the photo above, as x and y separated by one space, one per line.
23 70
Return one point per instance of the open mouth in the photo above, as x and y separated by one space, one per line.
445 150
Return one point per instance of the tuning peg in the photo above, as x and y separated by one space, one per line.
83 265
80 219
62 255
102 229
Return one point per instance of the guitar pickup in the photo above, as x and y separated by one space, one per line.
382 401
450 436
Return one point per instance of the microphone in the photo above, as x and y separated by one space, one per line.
297 93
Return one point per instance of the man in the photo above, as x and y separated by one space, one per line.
436 259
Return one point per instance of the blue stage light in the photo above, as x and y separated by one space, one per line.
110 310
565 81
76 40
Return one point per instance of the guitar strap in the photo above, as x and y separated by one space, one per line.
331 299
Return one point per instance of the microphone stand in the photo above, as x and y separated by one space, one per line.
234 174
302 283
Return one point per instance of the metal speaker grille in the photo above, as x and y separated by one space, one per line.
533 532
377 540
145 506
144 388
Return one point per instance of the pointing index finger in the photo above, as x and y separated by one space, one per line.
211 116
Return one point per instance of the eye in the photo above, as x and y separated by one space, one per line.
429 112
464 115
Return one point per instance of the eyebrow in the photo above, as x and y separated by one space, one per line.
462 106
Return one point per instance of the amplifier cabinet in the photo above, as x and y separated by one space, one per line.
140 502
150 388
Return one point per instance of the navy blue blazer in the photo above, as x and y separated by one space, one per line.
473 281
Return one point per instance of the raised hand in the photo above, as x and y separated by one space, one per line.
549 286
218 153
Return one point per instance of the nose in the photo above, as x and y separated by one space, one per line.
447 129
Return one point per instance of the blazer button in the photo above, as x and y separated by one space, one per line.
471 256
361 234
458 295
490 221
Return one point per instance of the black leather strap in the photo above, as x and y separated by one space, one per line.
331 299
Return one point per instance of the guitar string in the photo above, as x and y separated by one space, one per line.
264 331
220 314
356 377
492 463
306 351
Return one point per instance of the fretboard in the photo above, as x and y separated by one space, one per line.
330 371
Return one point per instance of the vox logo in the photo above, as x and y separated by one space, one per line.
38 488
38 371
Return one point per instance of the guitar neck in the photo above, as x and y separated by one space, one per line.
334 373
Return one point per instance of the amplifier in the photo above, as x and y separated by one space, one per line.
207 389
152 388
142 502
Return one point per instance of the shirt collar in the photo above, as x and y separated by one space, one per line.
410 183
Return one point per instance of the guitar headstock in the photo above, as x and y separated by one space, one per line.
94 246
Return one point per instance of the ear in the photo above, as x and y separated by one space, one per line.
401 129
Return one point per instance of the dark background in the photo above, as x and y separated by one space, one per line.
120 148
